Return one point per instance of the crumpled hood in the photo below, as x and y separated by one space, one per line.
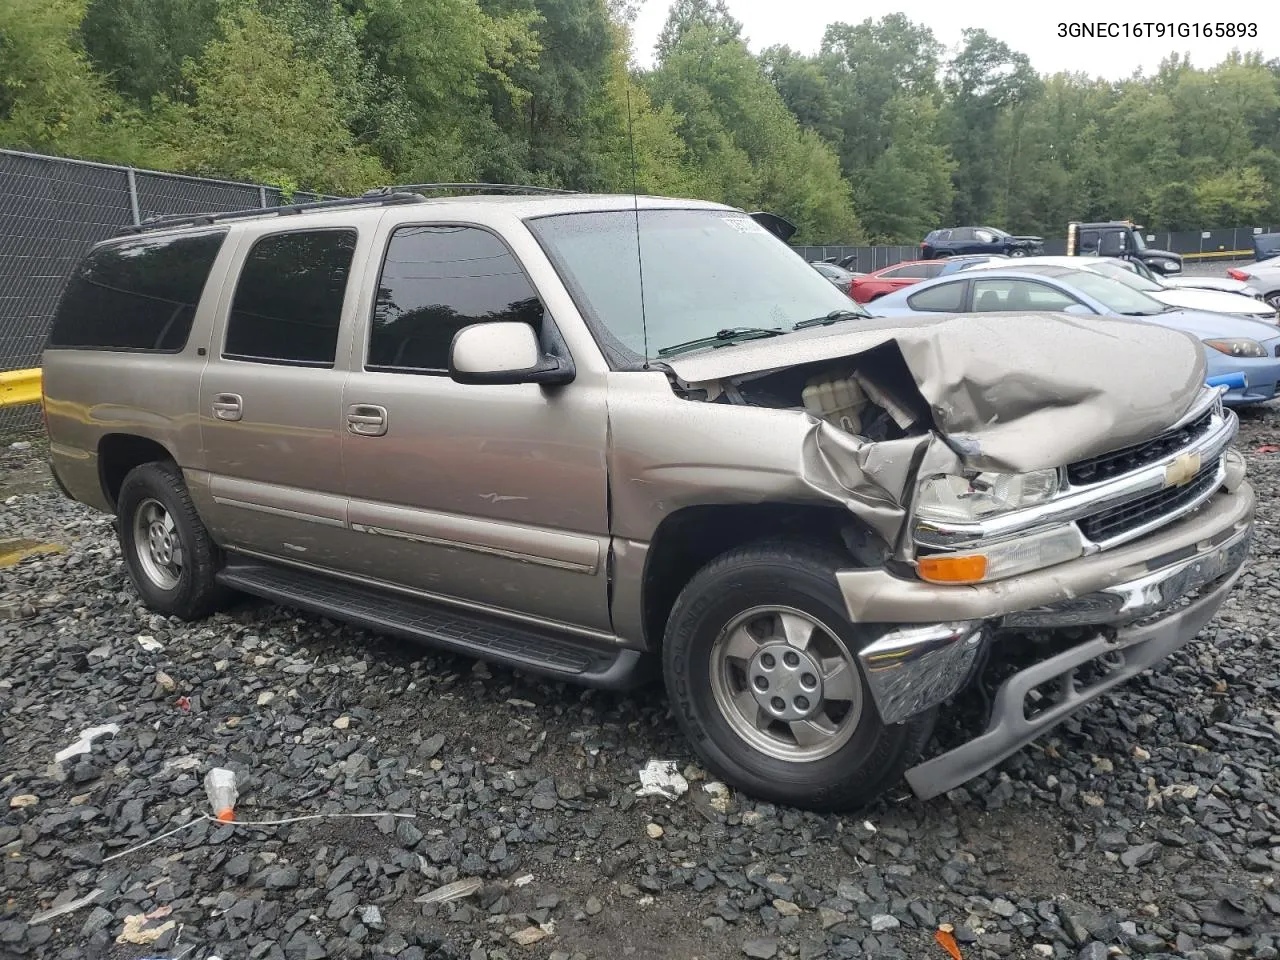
1009 392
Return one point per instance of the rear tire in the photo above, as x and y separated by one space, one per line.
169 554
761 670
1273 298
1017 252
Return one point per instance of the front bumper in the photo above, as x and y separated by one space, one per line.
1145 600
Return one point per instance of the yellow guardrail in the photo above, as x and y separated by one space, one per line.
19 387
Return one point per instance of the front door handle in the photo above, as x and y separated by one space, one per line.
228 406
366 420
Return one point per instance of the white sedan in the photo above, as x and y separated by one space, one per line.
1186 298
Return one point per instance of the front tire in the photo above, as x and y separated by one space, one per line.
761 669
169 554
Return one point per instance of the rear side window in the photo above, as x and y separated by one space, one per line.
137 295
912 271
435 281
288 301
944 298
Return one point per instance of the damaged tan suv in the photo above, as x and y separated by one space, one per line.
478 422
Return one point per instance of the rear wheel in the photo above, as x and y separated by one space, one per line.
761 667
1273 298
170 557
1017 252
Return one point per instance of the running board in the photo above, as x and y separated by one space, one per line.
558 656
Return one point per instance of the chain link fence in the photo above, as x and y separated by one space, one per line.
53 210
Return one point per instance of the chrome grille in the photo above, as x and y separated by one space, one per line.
1126 459
1117 521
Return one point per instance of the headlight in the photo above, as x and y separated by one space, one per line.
951 498
1238 347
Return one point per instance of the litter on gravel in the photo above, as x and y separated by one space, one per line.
662 778
85 743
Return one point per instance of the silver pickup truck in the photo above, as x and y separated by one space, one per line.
599 437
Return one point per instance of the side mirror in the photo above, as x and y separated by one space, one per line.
502 353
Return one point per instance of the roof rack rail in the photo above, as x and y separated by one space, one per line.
205 219
473 187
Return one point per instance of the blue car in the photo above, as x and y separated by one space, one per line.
1232 344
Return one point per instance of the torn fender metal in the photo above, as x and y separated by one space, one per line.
1013 392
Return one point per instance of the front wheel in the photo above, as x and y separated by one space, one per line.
761 667
1273 298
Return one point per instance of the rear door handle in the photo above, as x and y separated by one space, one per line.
228 406
366 420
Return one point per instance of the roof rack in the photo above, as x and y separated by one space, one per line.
472 187
386 198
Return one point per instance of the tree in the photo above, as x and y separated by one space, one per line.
141 44
750 147
687 14
51 99
806 90
258 109
907 192
985 79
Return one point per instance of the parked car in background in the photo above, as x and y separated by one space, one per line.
1231 344
1266 246
839 276
1263 276
1119 238
955 241
1211 301
1186 281
877 283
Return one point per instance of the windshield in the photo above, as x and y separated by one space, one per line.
705 271
1138 242
1126 276
1114 295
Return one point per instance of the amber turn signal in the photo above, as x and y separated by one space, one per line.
952 569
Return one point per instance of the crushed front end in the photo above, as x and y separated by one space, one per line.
1084 576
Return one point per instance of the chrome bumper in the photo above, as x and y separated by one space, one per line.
911 669
1130 651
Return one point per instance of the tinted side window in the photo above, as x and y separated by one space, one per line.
962 233
1089 240
913 271
984 236
944 298
137 295
434 282
288 301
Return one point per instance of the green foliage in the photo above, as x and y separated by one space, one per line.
338 95
259 109
51 99
141 44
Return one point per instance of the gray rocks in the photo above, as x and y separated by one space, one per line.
1154 809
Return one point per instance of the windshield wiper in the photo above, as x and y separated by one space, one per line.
835 316
720 338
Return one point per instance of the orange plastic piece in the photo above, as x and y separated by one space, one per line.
948 943
951 569
225 815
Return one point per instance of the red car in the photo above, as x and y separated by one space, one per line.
875 285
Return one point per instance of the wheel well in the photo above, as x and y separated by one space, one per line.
691 538
118 453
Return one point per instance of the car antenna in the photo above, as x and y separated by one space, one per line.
635 197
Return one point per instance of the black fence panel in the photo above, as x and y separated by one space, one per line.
161 195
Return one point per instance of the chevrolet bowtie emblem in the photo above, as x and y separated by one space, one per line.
1182 471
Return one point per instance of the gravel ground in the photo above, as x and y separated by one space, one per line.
1149 825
